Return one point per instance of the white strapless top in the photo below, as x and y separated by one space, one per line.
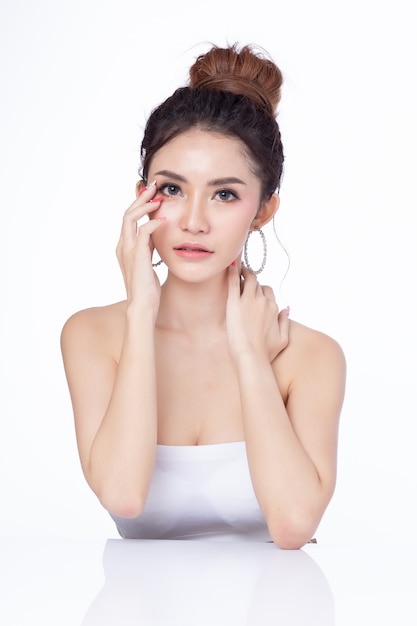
199 492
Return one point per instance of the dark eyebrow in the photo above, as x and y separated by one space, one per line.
225 181
172 175
212 183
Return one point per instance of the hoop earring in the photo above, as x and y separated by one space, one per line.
245 251
158 263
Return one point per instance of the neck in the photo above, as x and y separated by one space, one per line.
193 307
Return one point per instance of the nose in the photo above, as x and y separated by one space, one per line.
194 215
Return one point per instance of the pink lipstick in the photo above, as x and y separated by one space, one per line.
192 250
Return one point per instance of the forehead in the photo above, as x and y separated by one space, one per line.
204 151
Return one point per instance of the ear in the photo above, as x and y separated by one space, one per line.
266 211
139 186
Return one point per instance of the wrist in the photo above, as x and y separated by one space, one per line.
249 359
140 316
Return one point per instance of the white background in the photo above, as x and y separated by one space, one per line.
77 80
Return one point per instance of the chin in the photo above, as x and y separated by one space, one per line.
196 275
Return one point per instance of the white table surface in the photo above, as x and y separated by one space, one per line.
79 582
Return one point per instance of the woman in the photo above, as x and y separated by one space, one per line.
200 409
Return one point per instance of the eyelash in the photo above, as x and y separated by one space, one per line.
165 186
229 192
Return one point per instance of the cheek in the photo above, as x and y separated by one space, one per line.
250 203
237 231
244 215
158 236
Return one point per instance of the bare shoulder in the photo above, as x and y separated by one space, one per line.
313 344
102 324
314 368
312 357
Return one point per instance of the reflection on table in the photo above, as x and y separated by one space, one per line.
189 583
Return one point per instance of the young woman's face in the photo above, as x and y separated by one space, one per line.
210 199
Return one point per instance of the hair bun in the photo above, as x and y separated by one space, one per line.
243 72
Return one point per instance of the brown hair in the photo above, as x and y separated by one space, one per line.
243 72
231 92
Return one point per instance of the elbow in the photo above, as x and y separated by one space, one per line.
289 540
128 510
119 495
122 505
291 534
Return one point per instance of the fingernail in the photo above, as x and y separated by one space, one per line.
287 311
161 219
152 184
233 264
159 199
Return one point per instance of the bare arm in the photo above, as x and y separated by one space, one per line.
292 448
114 397
114 409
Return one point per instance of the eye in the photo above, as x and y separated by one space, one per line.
226 195
169 189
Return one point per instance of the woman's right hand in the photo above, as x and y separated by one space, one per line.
134 250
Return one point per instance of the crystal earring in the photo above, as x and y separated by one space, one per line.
245 251
157 263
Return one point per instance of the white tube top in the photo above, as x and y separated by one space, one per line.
199 492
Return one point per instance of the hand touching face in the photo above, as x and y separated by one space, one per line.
254 323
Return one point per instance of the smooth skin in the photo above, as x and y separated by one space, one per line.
208 357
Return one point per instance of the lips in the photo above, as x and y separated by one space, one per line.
192 247
192 251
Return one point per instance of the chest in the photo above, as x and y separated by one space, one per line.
198 392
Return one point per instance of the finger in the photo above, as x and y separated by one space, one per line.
284 324
234 281
145 198
145 231
130 226
148 191
139 208
245 272
143 245
268 293
250 281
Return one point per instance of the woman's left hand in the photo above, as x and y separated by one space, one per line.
254 323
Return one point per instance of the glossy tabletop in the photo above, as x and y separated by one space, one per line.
88 582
